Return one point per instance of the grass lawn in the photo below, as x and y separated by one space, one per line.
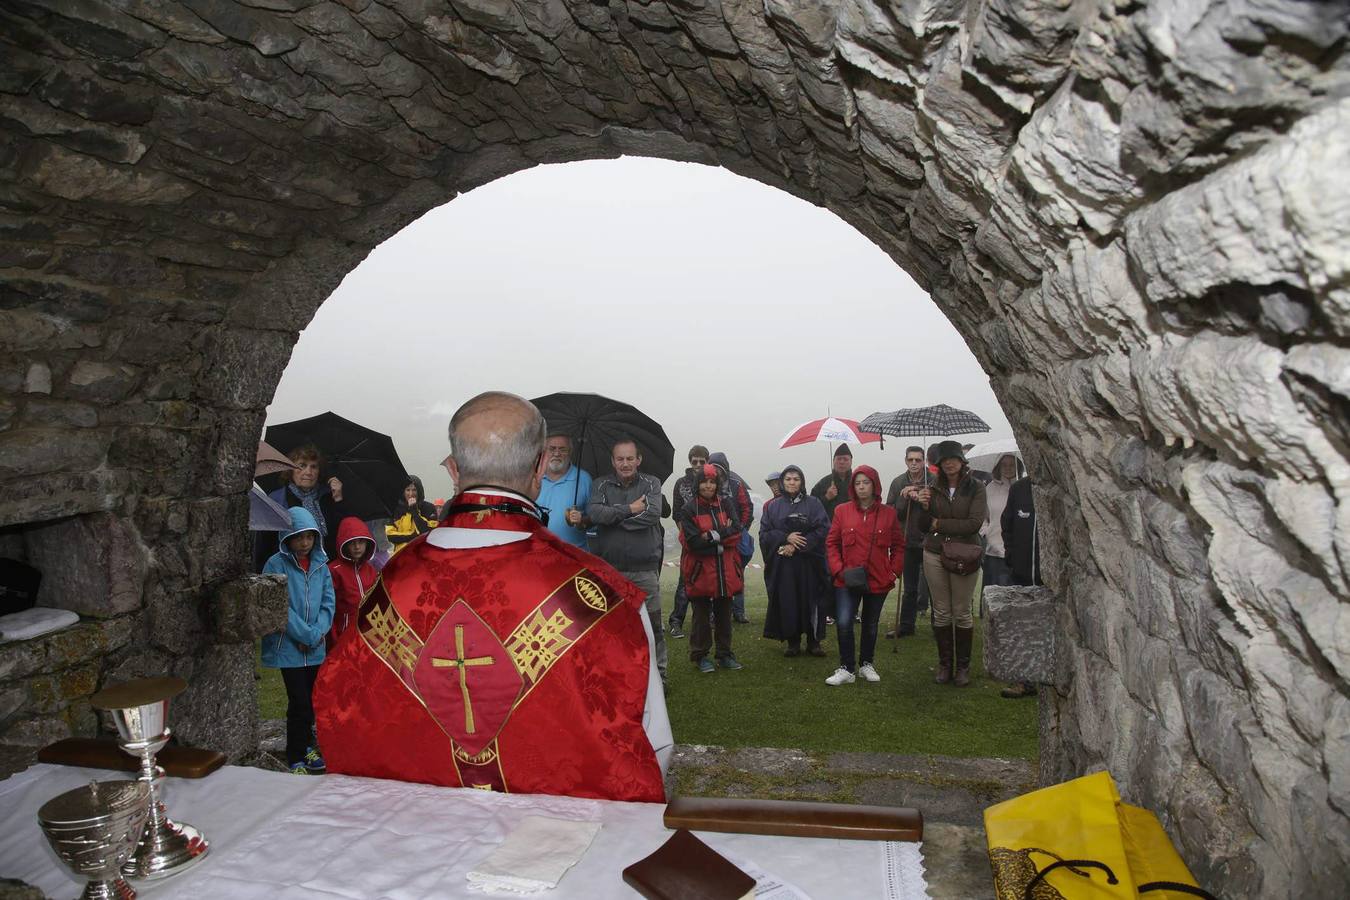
781 702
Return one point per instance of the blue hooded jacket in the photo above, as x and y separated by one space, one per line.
311 601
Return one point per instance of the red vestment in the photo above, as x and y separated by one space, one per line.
519 667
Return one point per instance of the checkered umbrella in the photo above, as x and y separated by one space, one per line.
925 420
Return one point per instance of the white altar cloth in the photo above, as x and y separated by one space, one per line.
286 836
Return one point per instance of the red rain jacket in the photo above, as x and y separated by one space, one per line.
350 581
853 532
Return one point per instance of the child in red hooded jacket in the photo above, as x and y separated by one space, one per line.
710 565
353 573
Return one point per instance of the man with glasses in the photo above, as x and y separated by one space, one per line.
564 490
903 495
685 486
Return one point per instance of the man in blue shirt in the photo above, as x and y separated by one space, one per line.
560 493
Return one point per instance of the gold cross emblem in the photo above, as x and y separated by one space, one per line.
537 643
461 662
388 636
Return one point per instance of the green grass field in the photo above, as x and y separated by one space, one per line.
779 702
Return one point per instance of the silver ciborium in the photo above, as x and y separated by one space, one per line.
93 830
141 710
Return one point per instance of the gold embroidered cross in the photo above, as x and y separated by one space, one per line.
388 636
461 663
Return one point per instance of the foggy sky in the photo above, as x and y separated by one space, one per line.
728 311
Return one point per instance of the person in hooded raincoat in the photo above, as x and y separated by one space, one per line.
414 515
792 534
865 533
299 649
353 572
710 564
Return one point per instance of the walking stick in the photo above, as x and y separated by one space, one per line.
900 601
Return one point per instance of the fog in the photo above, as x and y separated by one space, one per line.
728 311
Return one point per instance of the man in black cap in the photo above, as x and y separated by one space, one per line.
833 488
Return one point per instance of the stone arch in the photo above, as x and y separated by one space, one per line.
1134 213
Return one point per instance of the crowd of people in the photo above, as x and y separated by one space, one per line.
832 554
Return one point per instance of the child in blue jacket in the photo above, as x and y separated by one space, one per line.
299 650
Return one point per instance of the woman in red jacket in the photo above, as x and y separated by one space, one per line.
710 565
866 551
353 573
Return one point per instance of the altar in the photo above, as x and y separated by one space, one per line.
288 837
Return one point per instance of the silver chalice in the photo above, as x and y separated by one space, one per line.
93 830
141 710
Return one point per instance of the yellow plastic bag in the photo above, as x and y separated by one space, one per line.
1077 841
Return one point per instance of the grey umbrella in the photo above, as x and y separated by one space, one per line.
922 421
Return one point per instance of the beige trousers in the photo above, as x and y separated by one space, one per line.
950 594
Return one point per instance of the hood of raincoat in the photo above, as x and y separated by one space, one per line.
720 459
301 521
421 492
870 473
802 491
353 529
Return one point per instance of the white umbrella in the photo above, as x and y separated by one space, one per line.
984 456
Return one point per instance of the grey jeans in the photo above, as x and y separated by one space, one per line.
650 584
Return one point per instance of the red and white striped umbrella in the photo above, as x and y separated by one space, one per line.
830 428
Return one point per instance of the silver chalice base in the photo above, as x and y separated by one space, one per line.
94 829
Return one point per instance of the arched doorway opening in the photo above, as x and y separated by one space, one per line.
728 311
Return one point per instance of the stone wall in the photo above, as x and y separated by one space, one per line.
1134 212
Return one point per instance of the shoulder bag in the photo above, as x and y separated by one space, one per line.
961 558
855 577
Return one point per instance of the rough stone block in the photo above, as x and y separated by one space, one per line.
1019 634
86 642
247 608
219 710
94 565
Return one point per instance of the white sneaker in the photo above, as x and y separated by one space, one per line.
869 673
841 676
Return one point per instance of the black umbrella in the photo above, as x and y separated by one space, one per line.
364 460
594 423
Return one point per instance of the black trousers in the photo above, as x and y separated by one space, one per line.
702 635
299 683
914 597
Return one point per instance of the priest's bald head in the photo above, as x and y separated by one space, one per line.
497 439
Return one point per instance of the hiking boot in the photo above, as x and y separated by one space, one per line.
314 763
869 673
741 620
706 666
730 662
792 651
674 630
815 650
841 676
299 769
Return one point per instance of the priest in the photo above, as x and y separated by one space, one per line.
492 654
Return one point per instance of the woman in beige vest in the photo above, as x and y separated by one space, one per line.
957 504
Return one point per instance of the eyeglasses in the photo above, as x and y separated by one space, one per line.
914 459
697 461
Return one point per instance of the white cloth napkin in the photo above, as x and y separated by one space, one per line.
35 622
534 856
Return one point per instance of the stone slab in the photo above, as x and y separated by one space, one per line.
1019 634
